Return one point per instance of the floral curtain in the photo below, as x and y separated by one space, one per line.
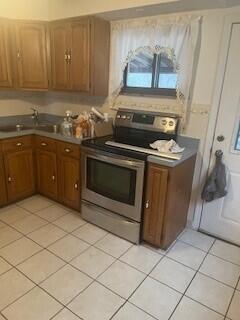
175 35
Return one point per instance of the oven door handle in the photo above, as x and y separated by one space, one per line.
113 160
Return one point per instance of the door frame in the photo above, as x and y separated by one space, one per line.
214 112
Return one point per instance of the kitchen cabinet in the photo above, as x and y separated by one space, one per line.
3 193
30 53
80 55
6 80
69 174
167 200
19 167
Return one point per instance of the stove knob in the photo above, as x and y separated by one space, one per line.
128 117
171 123
124 117
118 116
164 122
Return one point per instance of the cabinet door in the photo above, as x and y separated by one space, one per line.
60 34
156 193
3 194
31 55
80 55
5 59
47 173
69 181
20 174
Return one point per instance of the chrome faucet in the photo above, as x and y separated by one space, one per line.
34 116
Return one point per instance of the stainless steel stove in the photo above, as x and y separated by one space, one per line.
113 169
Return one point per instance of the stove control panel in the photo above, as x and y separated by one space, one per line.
152 121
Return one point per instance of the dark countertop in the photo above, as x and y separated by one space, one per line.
191 144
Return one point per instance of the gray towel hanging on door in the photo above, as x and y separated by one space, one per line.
215 186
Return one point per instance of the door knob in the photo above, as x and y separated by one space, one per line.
220 138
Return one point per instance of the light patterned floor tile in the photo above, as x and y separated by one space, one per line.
29 224
130 312
65 314
12 214
1 317
90 233
96 303
13 285
113 245
4 266
47 235
2 225
238 287
221 270
52 213
35 305
173 274
122 279
197 239
35 203
226 251
69 222
187 255
41 266
156 299
66 284
19 250
234 310
68 247
141 258
93 262
191 310
8 235
210 293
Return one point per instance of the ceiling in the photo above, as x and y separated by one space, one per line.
171 7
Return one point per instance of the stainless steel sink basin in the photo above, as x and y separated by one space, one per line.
20 127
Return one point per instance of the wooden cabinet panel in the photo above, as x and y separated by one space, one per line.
20 174
3 194
5 56
80 55
60 34
68 149
31 55
17 144
45 143
156 193
69 181
47 173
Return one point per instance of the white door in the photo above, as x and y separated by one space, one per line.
222 217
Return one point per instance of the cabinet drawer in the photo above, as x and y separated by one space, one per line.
46 143
17 144
68 149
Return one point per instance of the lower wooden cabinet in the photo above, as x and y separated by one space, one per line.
69 184
3 193
47 173
167 200
19 174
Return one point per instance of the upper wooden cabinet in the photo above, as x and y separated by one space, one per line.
30 53
6 80
80 55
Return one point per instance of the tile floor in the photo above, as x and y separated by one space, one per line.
54 265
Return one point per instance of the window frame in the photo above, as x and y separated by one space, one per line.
167 92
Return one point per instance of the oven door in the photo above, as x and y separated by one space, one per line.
113 182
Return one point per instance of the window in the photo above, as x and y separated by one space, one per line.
237 143
150 73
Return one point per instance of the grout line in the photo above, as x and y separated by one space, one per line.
231 300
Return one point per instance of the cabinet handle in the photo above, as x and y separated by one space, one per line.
19 144
43 144
76 186
18 55
66 56
69 57
67 150
147 204
9 179
53 178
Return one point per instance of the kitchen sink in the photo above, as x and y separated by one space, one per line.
21 127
